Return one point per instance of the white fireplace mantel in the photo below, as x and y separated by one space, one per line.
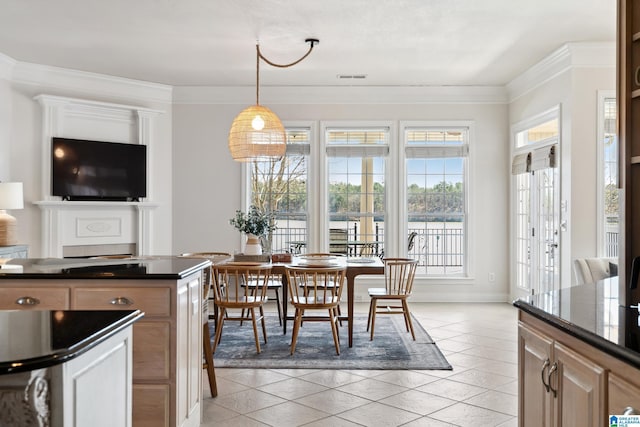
71 224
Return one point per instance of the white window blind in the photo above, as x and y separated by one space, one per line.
521 164
544 158
358 142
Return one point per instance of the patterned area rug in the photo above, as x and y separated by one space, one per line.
391 348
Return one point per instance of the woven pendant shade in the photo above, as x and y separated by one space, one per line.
256 134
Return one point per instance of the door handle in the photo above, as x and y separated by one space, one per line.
554 368
546 364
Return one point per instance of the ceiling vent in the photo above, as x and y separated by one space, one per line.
352 76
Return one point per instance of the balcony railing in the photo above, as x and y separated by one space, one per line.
432 247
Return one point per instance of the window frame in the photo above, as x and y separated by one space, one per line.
600 193
469 199
325 126
312 127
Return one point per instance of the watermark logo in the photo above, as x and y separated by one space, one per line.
624 420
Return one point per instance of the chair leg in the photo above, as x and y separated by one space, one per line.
374 302
278 306
371 307
334 329
255 328
208 357
296 329
220 323
407 316
264 326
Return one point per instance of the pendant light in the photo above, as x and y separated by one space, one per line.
257 133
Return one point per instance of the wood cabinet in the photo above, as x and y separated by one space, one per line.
34 298
564 381
167 341
628 97
534 359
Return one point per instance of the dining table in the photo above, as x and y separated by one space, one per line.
355 266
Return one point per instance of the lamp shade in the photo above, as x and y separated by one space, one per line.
257 134
11 195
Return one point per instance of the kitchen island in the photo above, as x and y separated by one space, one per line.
578 356
54 363
167 342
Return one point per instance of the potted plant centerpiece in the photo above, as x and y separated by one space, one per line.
255 224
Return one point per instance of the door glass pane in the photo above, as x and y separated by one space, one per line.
610 203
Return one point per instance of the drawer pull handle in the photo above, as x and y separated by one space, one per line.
27 301
121 301
630 410
544 366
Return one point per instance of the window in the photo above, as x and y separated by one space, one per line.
436 202
280 186
608 223
356 189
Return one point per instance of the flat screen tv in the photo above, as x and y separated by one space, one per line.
97 170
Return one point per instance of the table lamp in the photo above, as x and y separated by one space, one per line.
10 198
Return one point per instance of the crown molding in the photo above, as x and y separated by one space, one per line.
568 56
47 77
6 66
272 95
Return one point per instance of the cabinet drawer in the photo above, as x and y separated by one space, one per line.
151 351
29 298
153 301
151 405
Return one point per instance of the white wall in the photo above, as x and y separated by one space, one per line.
6 67
207 187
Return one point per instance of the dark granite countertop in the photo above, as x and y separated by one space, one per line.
152 267
39 339
591 313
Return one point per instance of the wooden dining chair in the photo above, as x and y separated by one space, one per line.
398 279
315 288
274 283
320 257
231 295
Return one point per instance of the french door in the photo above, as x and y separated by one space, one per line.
545 231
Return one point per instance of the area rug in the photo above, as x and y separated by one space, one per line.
391 348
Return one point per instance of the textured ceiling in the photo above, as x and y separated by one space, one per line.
212 42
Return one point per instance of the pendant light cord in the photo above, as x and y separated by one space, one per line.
259 55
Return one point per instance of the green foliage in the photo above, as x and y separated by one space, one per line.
254 222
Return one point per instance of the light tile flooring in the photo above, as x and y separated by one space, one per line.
479 340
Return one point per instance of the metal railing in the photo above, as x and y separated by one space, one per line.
432 247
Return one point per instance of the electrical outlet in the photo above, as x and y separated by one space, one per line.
492 277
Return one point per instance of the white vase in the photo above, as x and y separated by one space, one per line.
253 246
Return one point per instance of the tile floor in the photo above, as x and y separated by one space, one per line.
479 340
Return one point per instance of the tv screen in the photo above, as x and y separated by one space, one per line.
96 170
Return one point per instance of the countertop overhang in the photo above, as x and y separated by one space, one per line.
31 340
136 268
590 312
